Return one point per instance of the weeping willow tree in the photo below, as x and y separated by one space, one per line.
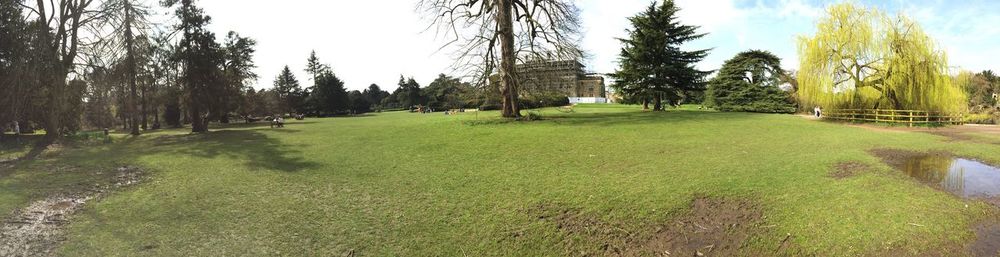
863 59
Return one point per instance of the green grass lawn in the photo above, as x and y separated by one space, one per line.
437 185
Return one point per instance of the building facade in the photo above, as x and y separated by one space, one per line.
565 78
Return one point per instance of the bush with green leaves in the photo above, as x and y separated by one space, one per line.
749 82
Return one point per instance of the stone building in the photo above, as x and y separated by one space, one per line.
560 77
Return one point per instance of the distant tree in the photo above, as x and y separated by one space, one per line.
172 113
982 89
238 73
374 94
359 102
446 92
863 59
329 94
289 92
505 30
314 67
202 59
652 63
749 83
408 93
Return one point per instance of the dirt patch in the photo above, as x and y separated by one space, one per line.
952 133
582 229
717 227
37 230
987 240
712 227
844 170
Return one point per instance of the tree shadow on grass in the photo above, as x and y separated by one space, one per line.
259 124
645 117
255 147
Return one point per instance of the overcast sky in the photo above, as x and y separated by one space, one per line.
374 41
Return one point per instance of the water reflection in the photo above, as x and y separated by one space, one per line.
963 177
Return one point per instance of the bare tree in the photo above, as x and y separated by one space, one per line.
497 34
60 22
126 21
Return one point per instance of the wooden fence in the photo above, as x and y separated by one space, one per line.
909 117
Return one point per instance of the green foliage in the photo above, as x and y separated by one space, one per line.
359 102
408 94
862 59
329 95
652 64
447 92
291 97
983 89
749 83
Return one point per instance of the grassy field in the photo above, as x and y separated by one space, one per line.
470 184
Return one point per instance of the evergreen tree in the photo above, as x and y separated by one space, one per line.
749 83
329 94
202 60
238 71
290 94
652 62
359 102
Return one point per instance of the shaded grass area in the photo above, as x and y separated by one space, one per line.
429 184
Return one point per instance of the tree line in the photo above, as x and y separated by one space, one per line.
128 73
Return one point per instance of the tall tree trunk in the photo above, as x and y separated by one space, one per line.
145 113
55 106
133 87
508 74
197 121
657 102
156 117
645 103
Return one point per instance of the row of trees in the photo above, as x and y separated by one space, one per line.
860 58
124 72
983 89
328 95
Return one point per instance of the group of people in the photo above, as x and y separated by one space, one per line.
278 121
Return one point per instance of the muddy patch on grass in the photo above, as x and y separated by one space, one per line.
583 229
987 239
711 227
37 230
717 227
844 170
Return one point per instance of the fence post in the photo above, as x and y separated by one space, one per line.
911 118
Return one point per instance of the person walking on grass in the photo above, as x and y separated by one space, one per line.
818 111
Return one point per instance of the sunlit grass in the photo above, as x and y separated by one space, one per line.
444 185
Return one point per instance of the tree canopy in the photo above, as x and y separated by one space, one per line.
862 58
652 64
749 82
504 32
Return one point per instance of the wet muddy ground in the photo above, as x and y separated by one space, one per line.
844 170
37 230
951 133
965 178
711 227
962 177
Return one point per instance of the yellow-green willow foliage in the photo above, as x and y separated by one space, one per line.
864 59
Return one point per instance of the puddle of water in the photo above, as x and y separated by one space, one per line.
962 177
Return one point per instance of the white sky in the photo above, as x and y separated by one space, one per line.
374 41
